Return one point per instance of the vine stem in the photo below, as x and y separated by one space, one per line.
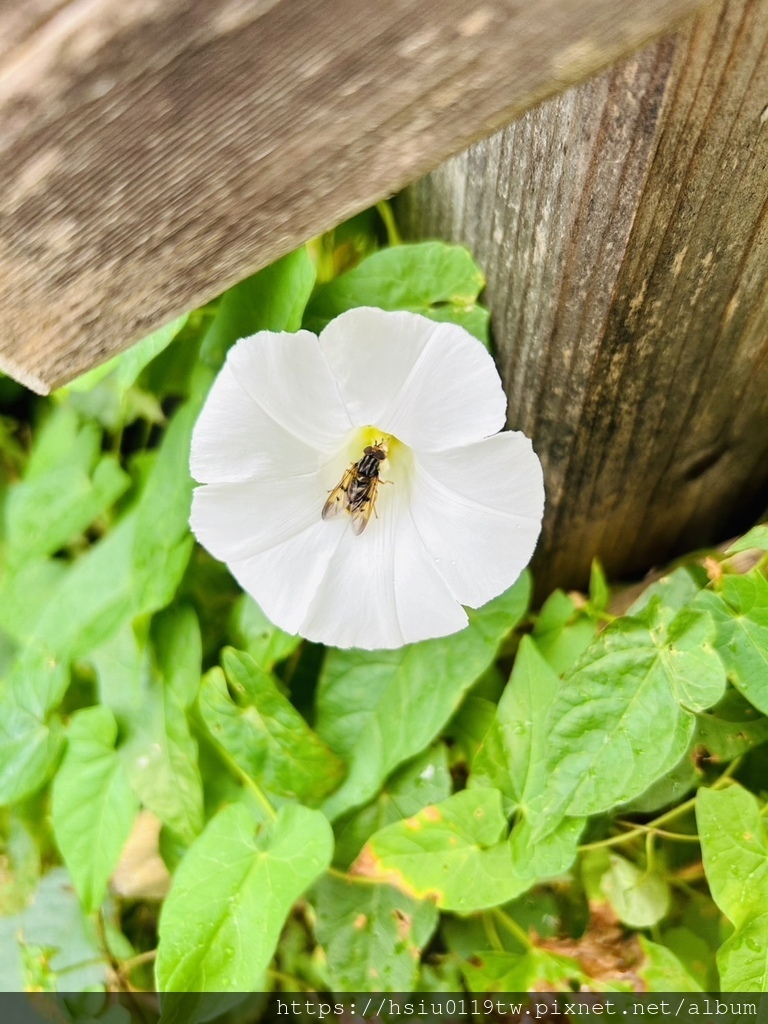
653 826
489 927
513 928
290 980
384 210
128 966
678 837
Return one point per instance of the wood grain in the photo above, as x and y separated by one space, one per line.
623 228
154 152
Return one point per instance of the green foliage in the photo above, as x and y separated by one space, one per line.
453 853
639 896
484 798
93 805
358 689
436 280
424 780
372 935
735 851
520 972
512 755
740 611
621 720
232 894
263 733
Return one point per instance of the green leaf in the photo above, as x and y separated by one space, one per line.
372 935
46 512
735 855
534 970
422 781
599 591
639 898
757 537
734 850
425 682
672 592
469 726
687 654
37 681
159 752
21 868
119 664
616 725
93 805
161 758
68 484
513 755
437 280
453 852
124 369
731 728
196 1007
29 750
272 300
24 592
263 733
256 635
134 570
562 631
231 895
178 651
149 687
740 611
671 788
536 859
93 597
163 543
662 971
53 940
694 953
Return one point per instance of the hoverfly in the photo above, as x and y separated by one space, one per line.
356 491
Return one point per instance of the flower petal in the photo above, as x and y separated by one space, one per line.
284 579
236 520
235 439
381 589
288 377
478 512
430 384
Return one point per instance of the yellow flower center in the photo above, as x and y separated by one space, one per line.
365 437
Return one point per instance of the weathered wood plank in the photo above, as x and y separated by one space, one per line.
624 231
153 152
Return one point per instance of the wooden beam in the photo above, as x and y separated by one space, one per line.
153 152
624 231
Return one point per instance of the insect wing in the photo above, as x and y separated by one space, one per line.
338 499
362 512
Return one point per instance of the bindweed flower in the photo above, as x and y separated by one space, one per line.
357 486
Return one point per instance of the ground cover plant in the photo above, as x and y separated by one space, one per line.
562 798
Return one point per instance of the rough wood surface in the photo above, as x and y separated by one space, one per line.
155 151
623 228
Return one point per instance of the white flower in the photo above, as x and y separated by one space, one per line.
455 523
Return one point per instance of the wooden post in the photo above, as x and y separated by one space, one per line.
623 228
153 152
